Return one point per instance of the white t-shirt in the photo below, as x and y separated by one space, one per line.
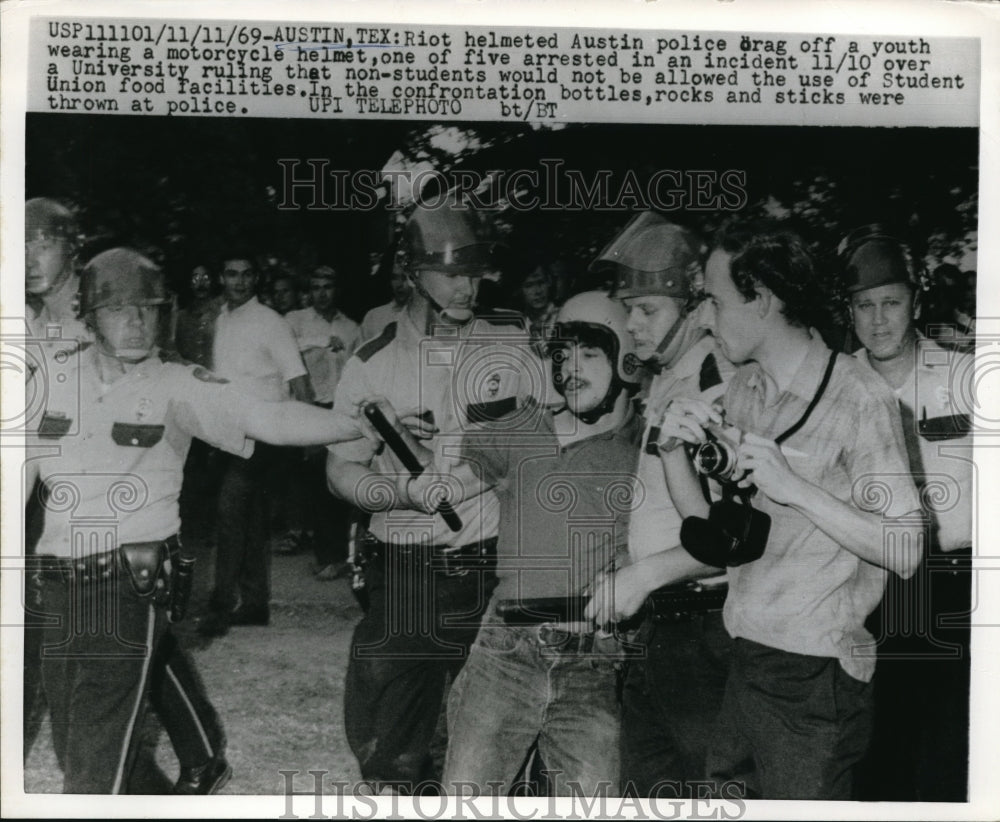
313 334
256 351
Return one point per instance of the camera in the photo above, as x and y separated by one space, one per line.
716 457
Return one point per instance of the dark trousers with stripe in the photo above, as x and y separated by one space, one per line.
179 699
97 661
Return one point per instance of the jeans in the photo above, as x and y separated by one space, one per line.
514 691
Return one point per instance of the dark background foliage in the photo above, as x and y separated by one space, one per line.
191 189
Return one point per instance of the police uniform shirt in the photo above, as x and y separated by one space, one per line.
57 317
702 371
938 442
375 321
256 350
462 376
313 333
112 454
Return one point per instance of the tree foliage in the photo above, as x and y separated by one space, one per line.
192 188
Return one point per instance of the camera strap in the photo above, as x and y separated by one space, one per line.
813 403
731 493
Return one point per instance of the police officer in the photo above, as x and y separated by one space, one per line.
673 691
110 449
920 749
191 722
51 283
427 584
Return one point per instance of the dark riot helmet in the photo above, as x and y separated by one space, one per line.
121 276
652 256
445 238
871 256
47 219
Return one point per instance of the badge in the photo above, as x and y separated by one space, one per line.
493 386
143 409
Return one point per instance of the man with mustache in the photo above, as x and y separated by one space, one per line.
565 479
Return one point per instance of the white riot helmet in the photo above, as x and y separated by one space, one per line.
595 319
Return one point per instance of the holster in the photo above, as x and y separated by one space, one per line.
143 564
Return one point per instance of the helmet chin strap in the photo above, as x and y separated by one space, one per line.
657 362
684 326
605 406
448 314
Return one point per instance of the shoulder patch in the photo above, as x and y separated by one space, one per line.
205 375
709 376
376 344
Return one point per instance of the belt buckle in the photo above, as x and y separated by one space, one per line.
549 636
452 572
452 564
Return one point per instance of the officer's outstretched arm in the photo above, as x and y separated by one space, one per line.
296 423
355 483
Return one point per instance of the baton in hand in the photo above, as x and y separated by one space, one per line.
408 458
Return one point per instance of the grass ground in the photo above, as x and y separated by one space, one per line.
278 689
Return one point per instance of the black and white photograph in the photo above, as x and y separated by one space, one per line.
531 415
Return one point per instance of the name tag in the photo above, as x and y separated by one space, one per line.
136 435
490 411
949 427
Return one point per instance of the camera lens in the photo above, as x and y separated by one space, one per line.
714 459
